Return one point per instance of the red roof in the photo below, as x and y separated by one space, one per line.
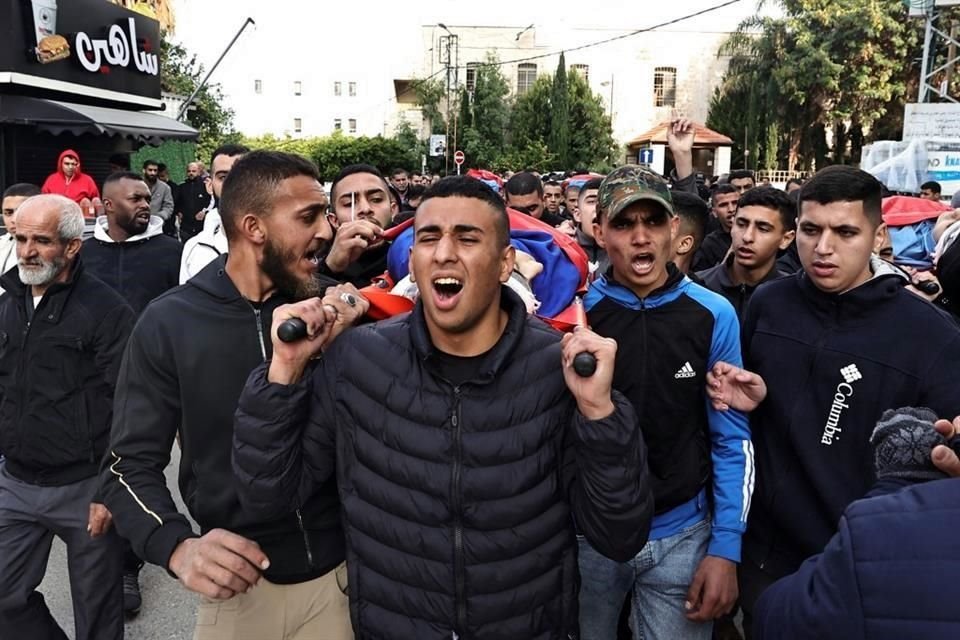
704 137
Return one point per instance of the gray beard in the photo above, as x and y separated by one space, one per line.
46 274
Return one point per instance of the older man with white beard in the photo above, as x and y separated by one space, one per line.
62 334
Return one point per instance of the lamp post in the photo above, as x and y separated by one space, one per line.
603 84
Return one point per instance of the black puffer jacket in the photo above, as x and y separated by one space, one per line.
459 502
57 374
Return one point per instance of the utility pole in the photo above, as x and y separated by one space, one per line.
186 105
449 51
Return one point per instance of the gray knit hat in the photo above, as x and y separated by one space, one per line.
903 440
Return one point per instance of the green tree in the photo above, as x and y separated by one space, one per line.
430 92
180 73
560 115
484 116
591 138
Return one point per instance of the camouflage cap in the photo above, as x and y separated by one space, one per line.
632 183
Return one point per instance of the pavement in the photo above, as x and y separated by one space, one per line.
168 610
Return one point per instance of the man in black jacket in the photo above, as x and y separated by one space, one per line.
128 250
764 225
187 383
717 243
466 450
837 344
191 202
62 333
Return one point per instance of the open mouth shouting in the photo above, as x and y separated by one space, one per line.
642 264
446 292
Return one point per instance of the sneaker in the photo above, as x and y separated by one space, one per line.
131 594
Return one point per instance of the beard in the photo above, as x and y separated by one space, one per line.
274 264
47 272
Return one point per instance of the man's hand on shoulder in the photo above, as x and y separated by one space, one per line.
219 564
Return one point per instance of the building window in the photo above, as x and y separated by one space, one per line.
472 76
297 88
665 87
337 124
258 86
582 69
338 89
352 88
297 125
353 125
526 76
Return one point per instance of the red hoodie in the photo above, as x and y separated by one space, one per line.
77 188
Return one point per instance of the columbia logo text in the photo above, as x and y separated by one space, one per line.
841 399
686 371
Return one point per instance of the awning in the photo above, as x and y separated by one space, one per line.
53 116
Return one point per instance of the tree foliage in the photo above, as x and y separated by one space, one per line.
832 66
484 116
560 115
180 73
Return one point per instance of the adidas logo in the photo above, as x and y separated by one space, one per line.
850 373
686 371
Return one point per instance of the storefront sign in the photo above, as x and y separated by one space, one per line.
80 50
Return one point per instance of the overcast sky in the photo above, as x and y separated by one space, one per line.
359 34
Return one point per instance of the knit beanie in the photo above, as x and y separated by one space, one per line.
903 440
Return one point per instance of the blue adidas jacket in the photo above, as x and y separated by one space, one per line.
666 344
890 573
833 364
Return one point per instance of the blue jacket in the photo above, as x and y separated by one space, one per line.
890 573
666 344
833 364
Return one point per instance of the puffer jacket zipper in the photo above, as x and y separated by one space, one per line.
459 564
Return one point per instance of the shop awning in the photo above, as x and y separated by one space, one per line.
53 116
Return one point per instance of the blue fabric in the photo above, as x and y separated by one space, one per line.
554 287
913 244
889 573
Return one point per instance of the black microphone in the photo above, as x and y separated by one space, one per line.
585 364
292 330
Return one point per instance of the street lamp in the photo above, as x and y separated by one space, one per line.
603 84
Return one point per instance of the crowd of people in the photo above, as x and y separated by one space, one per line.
763 442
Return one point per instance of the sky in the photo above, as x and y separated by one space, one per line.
361 34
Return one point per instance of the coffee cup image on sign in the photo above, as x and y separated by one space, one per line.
44 18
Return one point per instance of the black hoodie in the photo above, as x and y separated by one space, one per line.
192 379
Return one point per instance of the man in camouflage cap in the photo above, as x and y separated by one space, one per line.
670 332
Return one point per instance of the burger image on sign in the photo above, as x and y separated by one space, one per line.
53 48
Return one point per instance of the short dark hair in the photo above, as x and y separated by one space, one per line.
147 163
841 183
161 167
351 169
722 189
469 187
591 184
229 150
740 174
796 181
415 191
118 176
693 212
572 187
772 198
520 184
21 190
252 183
551 183
398 171
932 186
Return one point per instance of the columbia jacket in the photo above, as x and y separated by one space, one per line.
833 363
718 279
666 344
140 268
889 573
77 187
189 382
57 375
459 502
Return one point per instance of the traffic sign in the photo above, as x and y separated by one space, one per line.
645 156
458 157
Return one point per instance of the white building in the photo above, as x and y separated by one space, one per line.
642 78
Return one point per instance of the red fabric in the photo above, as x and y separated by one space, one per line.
899 211
80 187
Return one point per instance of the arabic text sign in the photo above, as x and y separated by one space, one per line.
932 120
